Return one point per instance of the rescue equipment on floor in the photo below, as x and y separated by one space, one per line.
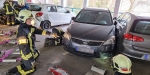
56 70
8 41
7 33
96 70
6 53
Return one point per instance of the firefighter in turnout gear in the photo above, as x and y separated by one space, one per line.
26 41
8 7
122 65
21 5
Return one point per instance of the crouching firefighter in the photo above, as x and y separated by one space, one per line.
121 65
26 40
8 7
57 38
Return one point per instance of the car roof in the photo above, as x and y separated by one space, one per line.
138 16
96 9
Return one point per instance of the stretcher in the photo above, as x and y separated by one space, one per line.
6 53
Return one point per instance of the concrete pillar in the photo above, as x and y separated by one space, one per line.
44 1
64 3
116 9
85 3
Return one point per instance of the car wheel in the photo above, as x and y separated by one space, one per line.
45 24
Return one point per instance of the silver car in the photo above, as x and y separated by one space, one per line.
134 36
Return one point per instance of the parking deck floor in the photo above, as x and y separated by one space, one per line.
56 55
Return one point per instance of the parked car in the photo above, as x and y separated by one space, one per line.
134 36
90 33
48 15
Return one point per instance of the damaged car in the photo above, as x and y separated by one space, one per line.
91 33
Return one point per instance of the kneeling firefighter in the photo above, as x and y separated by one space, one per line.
122 65
57 40
26 40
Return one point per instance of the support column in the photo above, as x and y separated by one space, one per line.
116 9
85 3
64 3
45 1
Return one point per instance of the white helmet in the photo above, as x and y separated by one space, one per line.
24 15
21 2
122 64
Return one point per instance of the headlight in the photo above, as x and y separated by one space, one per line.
67 35
110 41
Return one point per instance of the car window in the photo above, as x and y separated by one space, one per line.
125 20
142 27
94 17
34 7
51 9
61 9
120 17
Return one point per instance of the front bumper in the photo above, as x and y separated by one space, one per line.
71 47
131 52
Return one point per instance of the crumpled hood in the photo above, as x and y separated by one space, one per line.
90 31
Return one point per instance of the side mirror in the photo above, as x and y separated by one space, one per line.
73 18
68 11
115 18
115 23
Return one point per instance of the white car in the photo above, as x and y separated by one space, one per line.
47 15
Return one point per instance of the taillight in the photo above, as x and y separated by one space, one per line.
131 37
39 14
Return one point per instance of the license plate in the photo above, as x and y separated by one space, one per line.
146 57
84 49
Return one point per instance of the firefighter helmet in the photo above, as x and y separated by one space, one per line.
21 2
24 15
122 64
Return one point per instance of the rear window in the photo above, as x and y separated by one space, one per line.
34 8
142 27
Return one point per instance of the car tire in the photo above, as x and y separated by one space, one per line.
45 24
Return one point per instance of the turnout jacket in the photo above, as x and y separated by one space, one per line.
26 40
8 7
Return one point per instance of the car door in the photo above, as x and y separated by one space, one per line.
123 23
54 16
65 15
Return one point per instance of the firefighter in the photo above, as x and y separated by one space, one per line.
122 65
26 41
8 7
21 5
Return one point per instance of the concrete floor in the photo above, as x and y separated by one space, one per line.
56 55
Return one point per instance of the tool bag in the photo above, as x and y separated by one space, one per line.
52 41
55 41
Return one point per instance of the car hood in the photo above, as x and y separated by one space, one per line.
90 31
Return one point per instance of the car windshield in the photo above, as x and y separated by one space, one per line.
34 8
142 27
94 17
